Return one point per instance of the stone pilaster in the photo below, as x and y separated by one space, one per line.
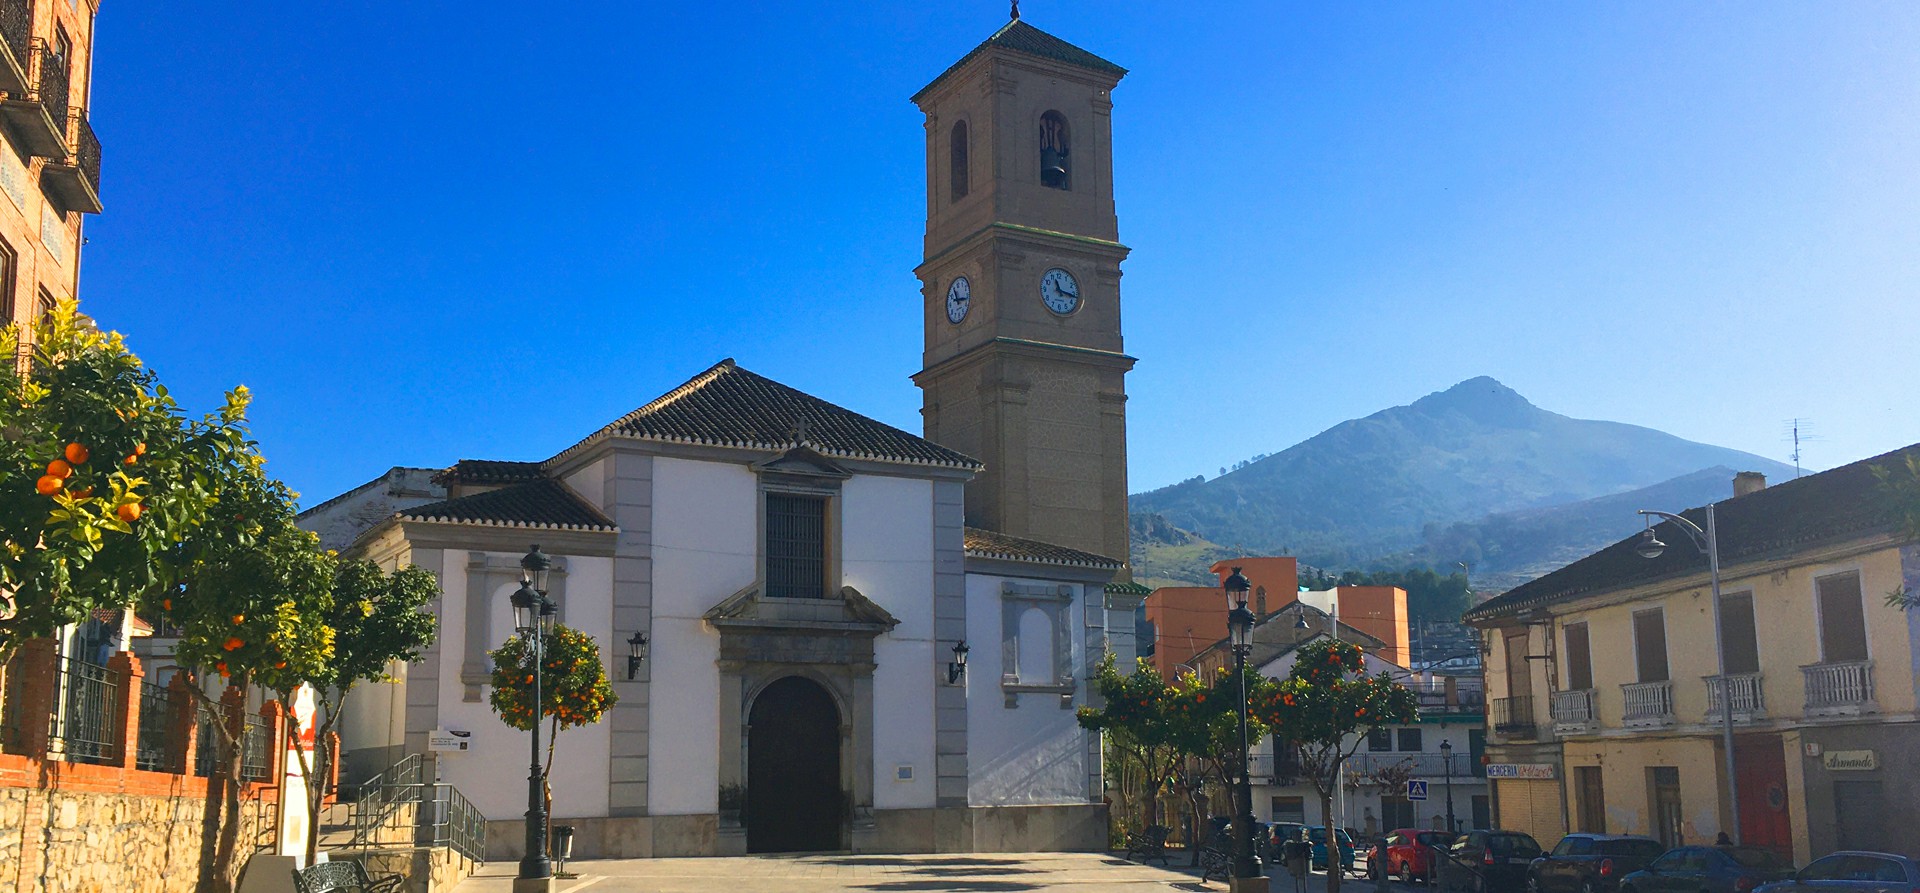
127 675
627 496
949 628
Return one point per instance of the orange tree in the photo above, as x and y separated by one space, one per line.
102 475
574 690
1324 705
1135 716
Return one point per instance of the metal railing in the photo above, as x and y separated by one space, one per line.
86 149
16 28
453 822
1513 716
1574 707
1421 765
1840 684
209 738
85 728
1749 700
1265 769
1648 702
379 798
154 752
53 84
256 749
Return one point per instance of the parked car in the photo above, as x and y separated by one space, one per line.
1852 871
1502 858
1708 869
1278 833
1317 835
1591 863
1407 853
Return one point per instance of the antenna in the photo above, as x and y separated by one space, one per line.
1797 432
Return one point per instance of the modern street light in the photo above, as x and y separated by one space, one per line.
1240 621
533 617
1446 753
1708 541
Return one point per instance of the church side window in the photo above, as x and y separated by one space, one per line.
796 546
1056 157
957 160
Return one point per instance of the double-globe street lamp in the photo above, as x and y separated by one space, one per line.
1446 753
533 617
1708 541
1240 621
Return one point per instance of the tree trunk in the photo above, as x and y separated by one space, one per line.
1333 833
230 822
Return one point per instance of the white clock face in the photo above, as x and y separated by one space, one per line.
1059 292
959 298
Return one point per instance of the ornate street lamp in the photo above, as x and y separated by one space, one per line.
1446 752
1708 542
533 617
957 668
636 654
1240 621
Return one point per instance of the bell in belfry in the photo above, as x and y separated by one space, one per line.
1053 166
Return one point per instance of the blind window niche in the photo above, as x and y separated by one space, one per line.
1579 658
1737 633
1650 645
1843 622
796 548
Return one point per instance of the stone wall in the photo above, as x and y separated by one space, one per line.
85 841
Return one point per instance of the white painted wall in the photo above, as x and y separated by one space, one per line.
493 773
1033 754
590 481
887 554
704 550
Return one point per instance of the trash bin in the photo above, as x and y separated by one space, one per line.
562 846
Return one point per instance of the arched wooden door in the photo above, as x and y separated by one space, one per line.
795 799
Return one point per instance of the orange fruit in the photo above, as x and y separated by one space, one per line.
222 668
48 485
77 454
60 469
166 604
139 449
129 512
233 643
280 666
128 460
83 493
239 619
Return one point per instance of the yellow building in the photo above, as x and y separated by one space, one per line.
1605 679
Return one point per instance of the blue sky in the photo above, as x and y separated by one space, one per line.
427 231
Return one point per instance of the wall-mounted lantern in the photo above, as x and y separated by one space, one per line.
636 653
957 668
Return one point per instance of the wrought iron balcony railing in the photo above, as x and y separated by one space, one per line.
1514 717
85 727
1749 701
16 41
1573 708
75 186
1648 703
1839 687
39 118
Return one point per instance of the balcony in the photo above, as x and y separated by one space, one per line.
1648 703
1749 701
75 186
39 118
1420 765
1573 709
1841 688
1513 717
16 39
1284 772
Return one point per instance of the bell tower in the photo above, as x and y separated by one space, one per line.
1023 365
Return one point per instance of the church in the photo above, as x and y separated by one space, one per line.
810 583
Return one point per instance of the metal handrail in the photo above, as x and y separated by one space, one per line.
84 727
456 824
153 752
383 795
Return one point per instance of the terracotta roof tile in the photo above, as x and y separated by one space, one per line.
537 503
488 471
988 544
1021 37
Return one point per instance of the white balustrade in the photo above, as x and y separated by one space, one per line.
1839 687
1573 708
1749 701
1648 703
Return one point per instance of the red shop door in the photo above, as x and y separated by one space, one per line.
1763 793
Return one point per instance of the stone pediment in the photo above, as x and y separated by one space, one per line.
847 613
802 460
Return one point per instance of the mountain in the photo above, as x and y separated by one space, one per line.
1378 486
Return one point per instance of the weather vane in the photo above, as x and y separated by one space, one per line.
1016 10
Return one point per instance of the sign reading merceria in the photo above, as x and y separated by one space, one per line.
1851 760
1541 771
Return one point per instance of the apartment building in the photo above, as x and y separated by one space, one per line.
1606 683
50 164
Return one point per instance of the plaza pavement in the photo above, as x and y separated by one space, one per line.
827 873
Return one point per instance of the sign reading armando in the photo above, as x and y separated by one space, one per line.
1540 771
1851 760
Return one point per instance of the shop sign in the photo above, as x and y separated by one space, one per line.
1851 760
1537 771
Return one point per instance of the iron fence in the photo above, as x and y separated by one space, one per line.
16 28
55 85
206 755
10 721
154 752
86 149
256 749
85 728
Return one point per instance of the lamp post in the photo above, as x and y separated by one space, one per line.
1708 542
1240 621
533 616
1446 753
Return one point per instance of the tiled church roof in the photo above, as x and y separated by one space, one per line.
988 544
1021 37
488 471
537 503
1835 506
732 407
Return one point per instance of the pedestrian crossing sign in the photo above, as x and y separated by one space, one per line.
1416 789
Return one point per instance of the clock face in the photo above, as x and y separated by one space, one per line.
959 298
1059 292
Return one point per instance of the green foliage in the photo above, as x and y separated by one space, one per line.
1901 483
573 683
1327 699
130 479
255 607
377 618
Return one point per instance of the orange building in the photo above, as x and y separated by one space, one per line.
1187 619
1275 579
1380 612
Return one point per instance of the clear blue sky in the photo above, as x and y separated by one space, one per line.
427 231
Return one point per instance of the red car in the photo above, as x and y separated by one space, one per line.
1408 853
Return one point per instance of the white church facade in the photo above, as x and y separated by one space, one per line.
803 574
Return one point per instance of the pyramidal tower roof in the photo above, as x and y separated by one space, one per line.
1019 37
